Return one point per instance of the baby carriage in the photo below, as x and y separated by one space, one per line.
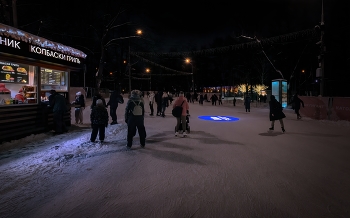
187 124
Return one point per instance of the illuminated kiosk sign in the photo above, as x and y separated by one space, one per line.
21 43
219 118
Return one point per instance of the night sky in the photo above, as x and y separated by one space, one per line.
182 25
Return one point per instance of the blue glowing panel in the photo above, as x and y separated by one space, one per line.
219 118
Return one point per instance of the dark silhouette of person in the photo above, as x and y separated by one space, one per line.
276 113
58 103
296 103
114 100
247 103
234 101
135 122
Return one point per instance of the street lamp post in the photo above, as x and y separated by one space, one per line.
189 62
150 78
138 32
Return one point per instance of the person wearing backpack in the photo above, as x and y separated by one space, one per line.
181 101
134 117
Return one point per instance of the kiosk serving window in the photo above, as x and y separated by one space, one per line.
18 83
53 79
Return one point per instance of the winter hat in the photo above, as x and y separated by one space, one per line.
78 93
21 90
99 102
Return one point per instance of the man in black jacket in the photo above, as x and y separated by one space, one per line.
113 102
296 103
135 120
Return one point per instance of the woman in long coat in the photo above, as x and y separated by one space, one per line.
276 113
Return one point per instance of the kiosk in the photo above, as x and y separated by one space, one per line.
279 90
31 66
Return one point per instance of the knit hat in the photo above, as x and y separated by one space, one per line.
78 93
21 90
99 102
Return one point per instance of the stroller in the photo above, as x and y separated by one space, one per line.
187 124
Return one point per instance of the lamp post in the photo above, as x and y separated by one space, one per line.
189 62
150 78
138 32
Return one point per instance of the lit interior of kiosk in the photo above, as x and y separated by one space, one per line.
19 83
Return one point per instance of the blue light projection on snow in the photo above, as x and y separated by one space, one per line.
219 118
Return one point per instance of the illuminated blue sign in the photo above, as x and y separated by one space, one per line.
219 118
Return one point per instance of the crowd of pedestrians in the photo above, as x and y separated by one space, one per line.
135 111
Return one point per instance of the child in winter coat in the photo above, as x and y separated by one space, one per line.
99 121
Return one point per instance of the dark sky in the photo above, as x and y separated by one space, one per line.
205 21
183 22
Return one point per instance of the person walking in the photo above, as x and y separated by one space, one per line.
151 102
296 104
79 108
165 103
234 101
247 103
158 99
220 99
201 98
214 99
99 121
58 104
134 117
114 100
276 113
181 100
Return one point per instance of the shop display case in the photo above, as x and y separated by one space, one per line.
30 93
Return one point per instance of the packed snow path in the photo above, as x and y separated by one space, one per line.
221 169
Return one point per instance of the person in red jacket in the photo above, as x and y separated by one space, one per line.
181 120
19 96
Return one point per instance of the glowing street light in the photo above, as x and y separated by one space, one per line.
138 32
188 61
150 78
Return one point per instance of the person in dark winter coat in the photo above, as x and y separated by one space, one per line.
115 99
158 99
220 99
201 99
59 107
99 121
296 103
135 122
95 98
276 113
234 101
247 103
213 99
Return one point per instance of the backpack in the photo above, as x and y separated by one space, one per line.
137 111
177 110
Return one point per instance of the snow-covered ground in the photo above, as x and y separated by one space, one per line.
222 169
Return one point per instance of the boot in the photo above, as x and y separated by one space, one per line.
283 130
271 128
